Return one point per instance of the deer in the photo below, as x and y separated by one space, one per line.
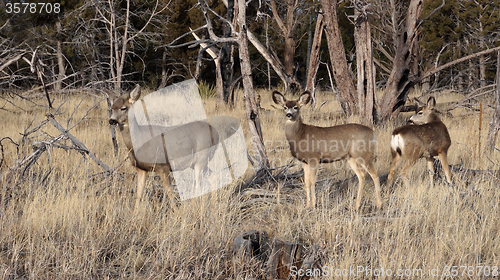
425 137
313 145
196 137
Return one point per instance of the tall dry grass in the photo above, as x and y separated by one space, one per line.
64 219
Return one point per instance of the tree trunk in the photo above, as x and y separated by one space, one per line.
112 129
120 60
271 59
312 67
60 58
364 60
482 58
226 57
399 82
252 112
495 119
287 30
346 91
164 73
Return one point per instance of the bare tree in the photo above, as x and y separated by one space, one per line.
405 36
495 119
60 58
287 26
121 33
239 36
314 55
251 108
346 91
364 60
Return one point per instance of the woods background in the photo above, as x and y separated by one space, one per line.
96 43
371 54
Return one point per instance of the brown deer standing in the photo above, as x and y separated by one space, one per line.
194 137
313 145
426 137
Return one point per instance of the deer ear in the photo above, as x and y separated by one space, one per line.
431 103
418 102
111 95
278 98
134 94
304 98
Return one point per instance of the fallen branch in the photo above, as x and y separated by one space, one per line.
79 144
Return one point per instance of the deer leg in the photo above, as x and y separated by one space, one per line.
307 183
142 175
396 161
404 172
197 175
444 162
313 170
430 165
373 173
167 184
361 178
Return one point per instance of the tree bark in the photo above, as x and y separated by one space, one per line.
251 109
287 28
60 58
364 60
399 82
495 119
164 73
271 59
346 91
226 57
312 67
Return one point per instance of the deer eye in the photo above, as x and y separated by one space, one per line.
296 107
123 108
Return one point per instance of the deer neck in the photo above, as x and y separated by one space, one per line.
294 129
125 131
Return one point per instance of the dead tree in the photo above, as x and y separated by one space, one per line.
364 60
251 108
312 67
226 59
495 119
287 27
346 91
60 58
120 41
240 37
405 38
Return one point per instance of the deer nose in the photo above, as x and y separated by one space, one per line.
410 121
113 122
289 115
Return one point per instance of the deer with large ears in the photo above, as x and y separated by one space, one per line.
197 139
313 145
426 137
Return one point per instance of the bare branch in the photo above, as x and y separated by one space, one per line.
452 63
79 144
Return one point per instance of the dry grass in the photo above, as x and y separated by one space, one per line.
64 220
